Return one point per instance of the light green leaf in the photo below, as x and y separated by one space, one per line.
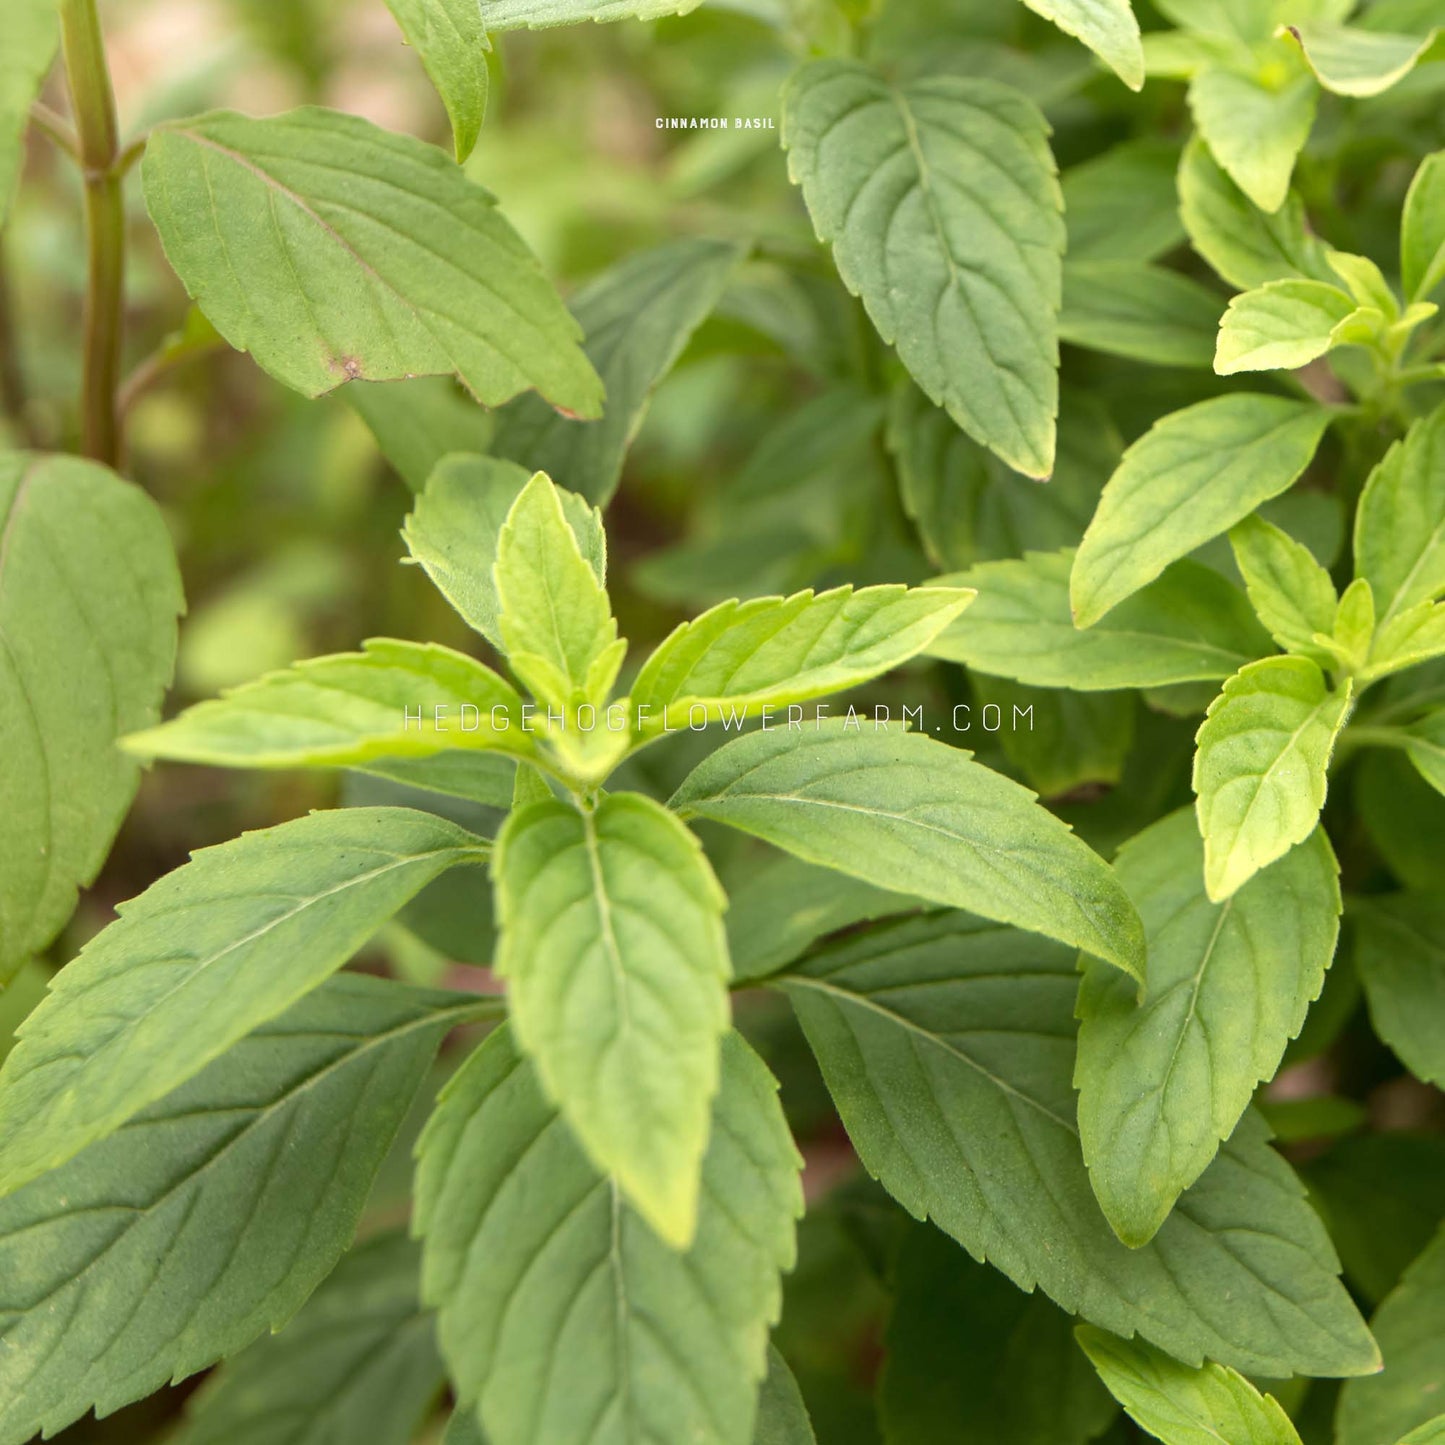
782 1415
1226 987
1400 953
1191 625
482 778
1244 245
1400 524
615 1333
201 958
1356 62
1422 231
451 42
394 699
554 618
948 1046
376 258
1354 630
1410 1326
454 528
1260 770
1122 205
1406 640
907 813
784 906
1192 476
1107 27
637 317
741 657
616 964
1365 281
973 1361
1182 1405
534 14
359 1362
1255 129
89 594
209 1217
1143 312
1281 326
1432 1432
941 202
1291 592
418 422
32 34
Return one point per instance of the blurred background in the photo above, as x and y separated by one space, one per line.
763 465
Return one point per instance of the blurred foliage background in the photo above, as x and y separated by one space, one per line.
762 465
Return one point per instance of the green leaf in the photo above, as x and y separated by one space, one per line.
454 528
1122 206
1400 524
782 1415
1432 1432
1414 636
941 202
394 699
534 14
554 618
201 958
376 256
1281 326
359 1362
742 657
1107 27
1060 740
209 1217
1191 625
418 422
1256 129
1146 313
32 34
89 594
1291 593
1226 987
1422 231
1426 747
1192 476
1246 21
1244 245
562 1314
1360 63
637 317
616 964
1400 953
948 1047
784 906
973 1361
1410 1326
969 507
907 813
482 778
1182 1405
1260 770
451 42
1379 1195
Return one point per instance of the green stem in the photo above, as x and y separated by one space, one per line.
93 102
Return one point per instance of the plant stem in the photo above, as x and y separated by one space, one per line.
93 102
